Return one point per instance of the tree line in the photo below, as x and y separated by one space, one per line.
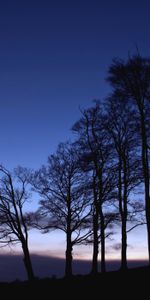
93 183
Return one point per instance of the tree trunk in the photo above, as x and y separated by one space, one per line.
102 222
102 230
94 270
27 261
124 214
148 229
124 245
68 265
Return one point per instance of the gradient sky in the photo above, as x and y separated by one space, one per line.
54 57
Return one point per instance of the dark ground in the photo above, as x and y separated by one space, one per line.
117 284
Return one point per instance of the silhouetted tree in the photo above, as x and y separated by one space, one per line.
121 127
65 201
13 197
131 81
95 157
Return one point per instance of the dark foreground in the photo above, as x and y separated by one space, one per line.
116 284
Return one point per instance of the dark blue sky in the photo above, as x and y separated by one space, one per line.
54 56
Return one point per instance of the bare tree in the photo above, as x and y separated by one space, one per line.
64 200
13 226
131 81
122 129
95 156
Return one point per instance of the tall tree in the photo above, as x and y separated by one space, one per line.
95 156
121 127
13 223
64 200
131 81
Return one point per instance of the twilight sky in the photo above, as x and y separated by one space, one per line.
54 57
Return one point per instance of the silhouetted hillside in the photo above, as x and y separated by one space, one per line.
116 284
